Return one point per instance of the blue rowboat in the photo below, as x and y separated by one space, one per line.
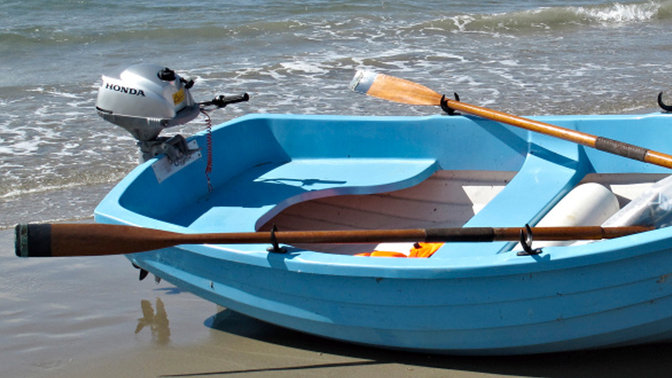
304 172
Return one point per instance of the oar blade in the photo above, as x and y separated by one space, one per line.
393 89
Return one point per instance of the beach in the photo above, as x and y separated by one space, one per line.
86 317
91 316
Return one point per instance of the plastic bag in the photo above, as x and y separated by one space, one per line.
651 208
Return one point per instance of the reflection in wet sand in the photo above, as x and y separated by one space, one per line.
157 322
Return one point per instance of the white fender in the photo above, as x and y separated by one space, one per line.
588 204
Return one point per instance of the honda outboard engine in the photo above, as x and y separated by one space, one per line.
146 98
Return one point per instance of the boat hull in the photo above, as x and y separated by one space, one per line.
561 309
469 298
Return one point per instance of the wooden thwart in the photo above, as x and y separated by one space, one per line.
62 239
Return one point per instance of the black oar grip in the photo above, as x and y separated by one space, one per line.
468 234
33 240
620 148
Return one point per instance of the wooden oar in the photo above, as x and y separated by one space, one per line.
407 92
62 239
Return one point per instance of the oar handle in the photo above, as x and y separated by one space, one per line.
81 239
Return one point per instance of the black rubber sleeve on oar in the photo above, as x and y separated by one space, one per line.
33 240
469 234
620 148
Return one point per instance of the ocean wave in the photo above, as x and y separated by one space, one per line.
550 18
337 21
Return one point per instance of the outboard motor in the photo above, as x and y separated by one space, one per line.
146 98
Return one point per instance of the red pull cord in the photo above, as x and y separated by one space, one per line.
208 166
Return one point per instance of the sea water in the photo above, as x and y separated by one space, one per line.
58 158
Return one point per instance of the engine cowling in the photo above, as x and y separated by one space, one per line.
145 99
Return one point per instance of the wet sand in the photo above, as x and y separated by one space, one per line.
85 317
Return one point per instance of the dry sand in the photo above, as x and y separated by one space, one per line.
91 317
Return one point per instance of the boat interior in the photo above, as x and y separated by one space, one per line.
328 173
445 199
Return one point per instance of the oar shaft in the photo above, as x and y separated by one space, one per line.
600 143
525 123
44 240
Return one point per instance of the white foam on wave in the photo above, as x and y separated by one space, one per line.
19 148
618 13
40 189
509 62
302 66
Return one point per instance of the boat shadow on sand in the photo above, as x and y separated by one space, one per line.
642 360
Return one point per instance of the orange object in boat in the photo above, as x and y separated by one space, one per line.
418 250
